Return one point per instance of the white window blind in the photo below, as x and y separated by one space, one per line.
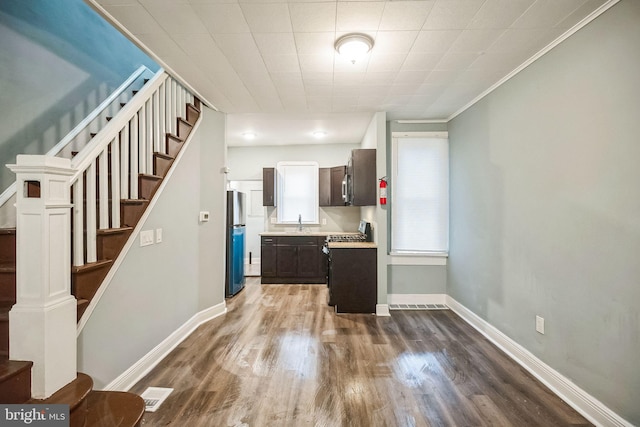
297 192
420 195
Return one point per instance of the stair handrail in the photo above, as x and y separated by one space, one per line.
56 149
98 143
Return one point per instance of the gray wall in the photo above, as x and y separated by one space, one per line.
160 287
545 208
412 279
58 60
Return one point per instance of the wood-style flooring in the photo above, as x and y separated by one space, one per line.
282 357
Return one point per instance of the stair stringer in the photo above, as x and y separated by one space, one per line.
134 235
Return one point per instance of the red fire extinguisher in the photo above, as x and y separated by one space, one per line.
383 190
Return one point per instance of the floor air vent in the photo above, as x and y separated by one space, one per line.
418 307
154 396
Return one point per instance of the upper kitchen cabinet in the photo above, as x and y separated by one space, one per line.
361 177
331 186
324 183
268 187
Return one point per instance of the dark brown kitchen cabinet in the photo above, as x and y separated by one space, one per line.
331 186
353 280
298 259
324 183
268 186
362 173
268 257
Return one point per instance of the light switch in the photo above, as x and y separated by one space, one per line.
146 238
158 235
204 216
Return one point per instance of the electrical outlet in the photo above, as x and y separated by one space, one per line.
540 324
146 238
158 235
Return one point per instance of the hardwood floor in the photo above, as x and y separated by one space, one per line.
281 357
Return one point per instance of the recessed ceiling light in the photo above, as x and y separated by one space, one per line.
249 135
354 46
319 134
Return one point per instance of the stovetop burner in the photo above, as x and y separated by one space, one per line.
346 238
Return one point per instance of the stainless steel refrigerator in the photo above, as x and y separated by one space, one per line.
236 228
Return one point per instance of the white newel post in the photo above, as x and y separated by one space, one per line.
42 323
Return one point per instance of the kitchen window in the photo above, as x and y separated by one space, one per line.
420 194
297 192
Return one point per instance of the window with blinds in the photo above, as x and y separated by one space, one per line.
420 194
297 192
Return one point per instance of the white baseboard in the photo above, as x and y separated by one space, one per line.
382 310
149 361
417 299
587 405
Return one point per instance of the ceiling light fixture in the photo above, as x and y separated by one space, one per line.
319 134
249 135
354 46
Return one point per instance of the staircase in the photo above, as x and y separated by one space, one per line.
118 174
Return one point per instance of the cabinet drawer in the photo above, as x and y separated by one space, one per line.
268 241
297 240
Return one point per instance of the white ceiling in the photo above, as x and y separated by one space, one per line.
271 65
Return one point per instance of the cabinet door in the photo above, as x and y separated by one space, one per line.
268 257
337 175
308 265
286 261
325 186
268 261
364 177
268 187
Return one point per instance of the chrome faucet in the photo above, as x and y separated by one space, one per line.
299 222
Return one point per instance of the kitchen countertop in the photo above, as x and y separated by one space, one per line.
354 245
304 233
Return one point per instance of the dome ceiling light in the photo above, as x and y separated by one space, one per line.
249 135
319 134
354 46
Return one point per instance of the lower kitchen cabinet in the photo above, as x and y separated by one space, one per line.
268 257
353 280
292 259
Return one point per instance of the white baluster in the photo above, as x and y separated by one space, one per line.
91 214
103 182
78 222
143 139
168 107
134 156
174 100
124 162
115 183
157 136
163 117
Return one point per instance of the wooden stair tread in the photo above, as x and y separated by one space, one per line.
194 107
15 379
8 230
108 231
133 201
73 394
7 268
91 266
174 136
114 408
10 368
149 176
163 156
